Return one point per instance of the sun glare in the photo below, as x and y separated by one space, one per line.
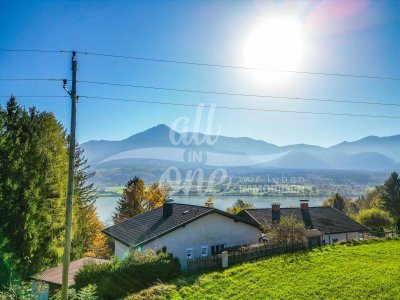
274 43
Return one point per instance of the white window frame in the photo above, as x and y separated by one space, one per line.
206 252
191 253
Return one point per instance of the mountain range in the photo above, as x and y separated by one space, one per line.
160 145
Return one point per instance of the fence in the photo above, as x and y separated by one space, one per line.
255 252
380 234
241 255
204 263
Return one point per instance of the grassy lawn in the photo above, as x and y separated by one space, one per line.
367 271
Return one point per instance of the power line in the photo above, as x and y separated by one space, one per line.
238 67
240 108
32 96
183 62
209 92
208 106
35 50
31 79
238 94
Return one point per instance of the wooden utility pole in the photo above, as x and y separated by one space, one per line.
71 163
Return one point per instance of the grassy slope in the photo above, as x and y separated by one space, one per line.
368 271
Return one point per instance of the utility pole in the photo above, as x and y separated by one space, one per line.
71 165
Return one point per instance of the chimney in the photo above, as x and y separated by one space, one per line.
304 205
167 207
276 212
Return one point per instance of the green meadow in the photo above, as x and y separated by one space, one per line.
364 271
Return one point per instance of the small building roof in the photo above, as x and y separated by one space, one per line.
152 224
54 275
324 218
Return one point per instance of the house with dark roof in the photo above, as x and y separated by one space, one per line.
331 224
186 231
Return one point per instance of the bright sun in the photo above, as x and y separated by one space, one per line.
275 43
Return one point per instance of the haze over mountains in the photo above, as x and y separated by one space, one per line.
155 147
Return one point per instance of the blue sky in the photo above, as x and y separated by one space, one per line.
361 38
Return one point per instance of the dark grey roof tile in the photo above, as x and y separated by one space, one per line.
325 218
152 224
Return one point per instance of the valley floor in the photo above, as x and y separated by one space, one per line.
366 271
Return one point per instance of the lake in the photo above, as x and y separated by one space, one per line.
106 205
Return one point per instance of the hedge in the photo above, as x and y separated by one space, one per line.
120 277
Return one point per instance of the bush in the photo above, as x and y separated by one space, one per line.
134 273
22 290
375 219
157 292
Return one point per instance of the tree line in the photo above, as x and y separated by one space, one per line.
379 209
33 189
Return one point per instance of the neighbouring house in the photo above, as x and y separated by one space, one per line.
185 231
53 276
324 224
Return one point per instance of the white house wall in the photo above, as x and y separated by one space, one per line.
120 250
212 229
341 237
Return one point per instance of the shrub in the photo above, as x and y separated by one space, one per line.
239 206
136 272
375 219
87 293
289 229
157 292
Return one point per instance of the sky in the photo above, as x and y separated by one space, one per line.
346 37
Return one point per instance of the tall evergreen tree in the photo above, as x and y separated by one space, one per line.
87 237
32 186
132 201
33 189
336 201
389 194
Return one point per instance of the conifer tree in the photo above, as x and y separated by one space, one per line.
389 194
87 237
132 201
32 187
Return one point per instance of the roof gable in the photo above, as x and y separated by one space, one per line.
151 225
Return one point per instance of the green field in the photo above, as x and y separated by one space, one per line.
367 271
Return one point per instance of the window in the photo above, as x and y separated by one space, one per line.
204 250
189 253
217 248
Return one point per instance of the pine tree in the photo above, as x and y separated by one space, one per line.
87 237
337 202
389 194
132 201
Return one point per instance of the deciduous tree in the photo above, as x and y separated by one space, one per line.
155 195
239 206
289 229
375 219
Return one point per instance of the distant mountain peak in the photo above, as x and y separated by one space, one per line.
372 152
